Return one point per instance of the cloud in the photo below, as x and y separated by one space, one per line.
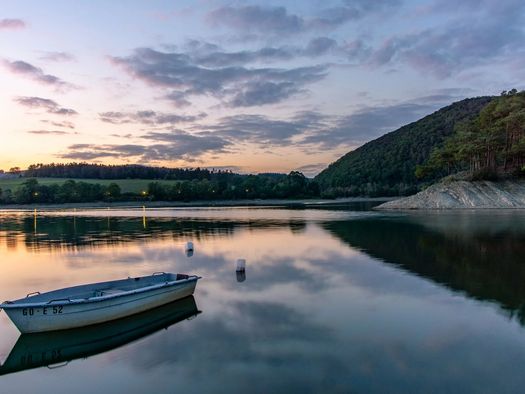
57 56
313 130
260 129
129 135
269 20
23 68
201 68
307 130
371 122
170 146
220 58
509 8
64 124
219 137
351 10
210 55
319 46
183 145
148 117
234 85
481 32
48 132
93 151
260 93
48 105
257 18
270 340
476 34
12 24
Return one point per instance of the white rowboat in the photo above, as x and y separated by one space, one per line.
84 305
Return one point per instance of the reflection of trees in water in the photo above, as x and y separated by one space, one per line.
484 266
70 232
297 227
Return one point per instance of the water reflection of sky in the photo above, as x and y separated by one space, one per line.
327 306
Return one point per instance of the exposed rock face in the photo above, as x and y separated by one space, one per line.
463 194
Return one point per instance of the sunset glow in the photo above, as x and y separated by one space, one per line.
251 86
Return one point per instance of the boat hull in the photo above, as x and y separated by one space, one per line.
64 316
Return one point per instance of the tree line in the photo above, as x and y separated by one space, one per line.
262 186
491 145
128 171
30 192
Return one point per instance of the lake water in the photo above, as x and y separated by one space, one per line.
335 300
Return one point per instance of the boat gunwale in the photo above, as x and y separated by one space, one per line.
15 305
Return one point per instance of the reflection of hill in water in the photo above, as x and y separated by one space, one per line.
68 232
465 253
53 348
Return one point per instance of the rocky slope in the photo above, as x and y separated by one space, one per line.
464 194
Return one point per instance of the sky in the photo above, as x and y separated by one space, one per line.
244 85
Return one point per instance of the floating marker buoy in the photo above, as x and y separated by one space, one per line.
241 265
189 249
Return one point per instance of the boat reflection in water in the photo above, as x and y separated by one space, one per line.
241 276
54 349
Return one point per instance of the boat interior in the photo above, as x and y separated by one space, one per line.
101 289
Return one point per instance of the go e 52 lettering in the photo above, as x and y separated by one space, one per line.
47 310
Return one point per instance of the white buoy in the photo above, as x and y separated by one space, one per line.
241 265
189 249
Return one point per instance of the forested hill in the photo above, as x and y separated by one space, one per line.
386 166
490 146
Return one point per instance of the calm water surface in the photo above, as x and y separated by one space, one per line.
333 300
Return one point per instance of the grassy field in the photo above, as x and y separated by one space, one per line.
126 185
